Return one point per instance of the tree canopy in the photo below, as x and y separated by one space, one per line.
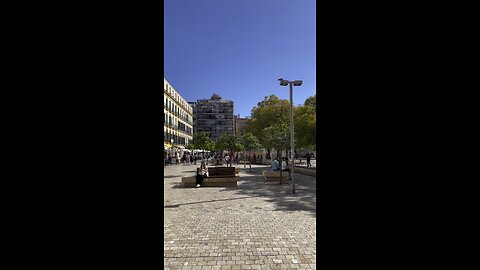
305 127
272 115
250 142
278 135
268 112
229 143
311 101
202 140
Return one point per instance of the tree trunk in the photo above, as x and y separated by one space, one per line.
244 160
289 165
281 167
250 163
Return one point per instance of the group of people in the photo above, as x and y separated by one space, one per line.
229 159
189 158
254 159
186 159
276 165
171 159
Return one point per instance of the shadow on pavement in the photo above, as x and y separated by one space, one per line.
180 204
171 176
281 196
252 184
179 185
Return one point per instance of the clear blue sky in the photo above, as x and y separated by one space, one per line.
239 48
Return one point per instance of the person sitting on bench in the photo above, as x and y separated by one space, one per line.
275 165
202 173
285 167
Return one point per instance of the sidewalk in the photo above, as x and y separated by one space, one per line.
256 225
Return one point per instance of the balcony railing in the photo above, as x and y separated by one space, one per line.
174 100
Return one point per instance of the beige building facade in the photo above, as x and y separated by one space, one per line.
239 125
178 121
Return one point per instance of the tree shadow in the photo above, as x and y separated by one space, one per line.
210 201
179 186
280 195
252 184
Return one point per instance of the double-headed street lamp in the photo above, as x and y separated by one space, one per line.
291 83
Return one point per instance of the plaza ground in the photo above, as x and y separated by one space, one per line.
256 225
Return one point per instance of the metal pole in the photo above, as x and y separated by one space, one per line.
291 138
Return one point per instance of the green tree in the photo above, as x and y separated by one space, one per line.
228 142
312 102
278 135
250 143
191 146
270 111
202 140
305 127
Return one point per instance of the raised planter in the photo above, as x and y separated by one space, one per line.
306 171
190 181
217 177
271 176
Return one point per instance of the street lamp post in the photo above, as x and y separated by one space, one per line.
291 83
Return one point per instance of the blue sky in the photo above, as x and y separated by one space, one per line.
239 48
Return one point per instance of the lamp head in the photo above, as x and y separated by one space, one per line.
297 83
283 82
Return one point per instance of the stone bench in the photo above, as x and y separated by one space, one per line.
221 171
190 181
274 175
217 177
306 171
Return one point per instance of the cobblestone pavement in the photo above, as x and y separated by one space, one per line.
256 225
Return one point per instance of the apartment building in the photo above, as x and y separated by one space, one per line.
214 115
239 124
178 124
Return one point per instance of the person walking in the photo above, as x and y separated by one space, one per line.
227 159
232 159
308 160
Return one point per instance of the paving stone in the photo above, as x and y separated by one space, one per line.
249 226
